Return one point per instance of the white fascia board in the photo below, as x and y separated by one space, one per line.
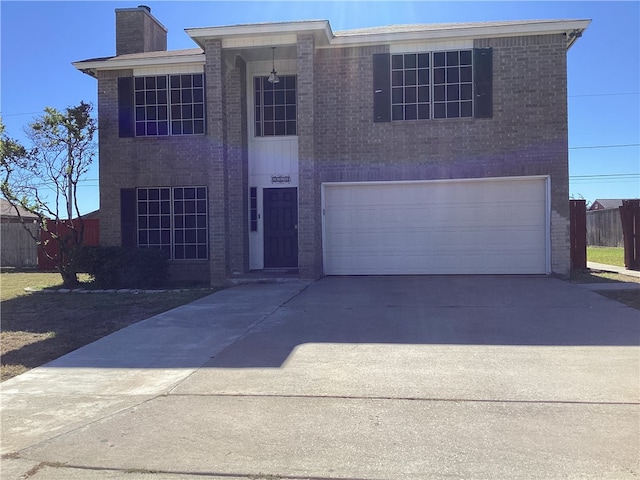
465 32
127 63
319 28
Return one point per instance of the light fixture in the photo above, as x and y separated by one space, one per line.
273 78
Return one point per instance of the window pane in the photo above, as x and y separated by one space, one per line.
423 94
397 78
410 77
396 62
410 61
397 112
410 112
439 110
452 59
290 82
438 59
466 74
465 57
453 92
397 95
410 95
423 60
423 111
466 109
453 75
466 92
423 76
438 93
453 109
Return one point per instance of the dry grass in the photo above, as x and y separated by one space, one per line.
40 327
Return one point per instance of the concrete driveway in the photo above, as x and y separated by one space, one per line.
344 378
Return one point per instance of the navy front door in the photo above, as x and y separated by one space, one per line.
280 227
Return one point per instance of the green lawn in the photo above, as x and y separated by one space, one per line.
606 255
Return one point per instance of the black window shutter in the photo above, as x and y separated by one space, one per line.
381 87
125 107
128 217
483 82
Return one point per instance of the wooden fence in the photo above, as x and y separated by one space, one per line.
91 237
578 234
604 228
630 216
17 247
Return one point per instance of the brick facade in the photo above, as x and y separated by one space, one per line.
338 140
526 136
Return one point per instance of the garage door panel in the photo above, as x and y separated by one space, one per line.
496 226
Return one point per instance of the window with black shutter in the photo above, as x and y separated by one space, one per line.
433 85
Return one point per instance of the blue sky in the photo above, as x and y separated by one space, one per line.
39 40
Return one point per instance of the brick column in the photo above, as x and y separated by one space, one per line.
238 166
217 164
309 214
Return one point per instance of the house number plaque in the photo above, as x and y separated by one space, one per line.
280 179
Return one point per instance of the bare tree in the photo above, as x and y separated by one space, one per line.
44 179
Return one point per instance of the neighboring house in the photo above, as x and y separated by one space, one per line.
409 149
9 213
606 204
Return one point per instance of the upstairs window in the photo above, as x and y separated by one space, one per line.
275 106
169 105
432 85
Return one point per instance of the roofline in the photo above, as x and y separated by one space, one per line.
284 32
469 31
319 28
115 63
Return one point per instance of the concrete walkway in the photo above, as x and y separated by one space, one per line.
345 378
613 269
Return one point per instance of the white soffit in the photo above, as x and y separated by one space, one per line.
193 57
469 31
280 32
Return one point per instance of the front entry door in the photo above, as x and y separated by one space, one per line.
280 227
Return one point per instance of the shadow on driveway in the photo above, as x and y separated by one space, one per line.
460 310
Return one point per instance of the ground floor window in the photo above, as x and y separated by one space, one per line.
173 219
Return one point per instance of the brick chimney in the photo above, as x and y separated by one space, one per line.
138 31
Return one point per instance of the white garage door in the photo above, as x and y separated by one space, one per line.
488 226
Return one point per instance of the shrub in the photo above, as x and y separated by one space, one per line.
119 267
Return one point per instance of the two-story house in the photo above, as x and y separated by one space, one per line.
406 149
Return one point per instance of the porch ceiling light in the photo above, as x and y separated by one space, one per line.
273 78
